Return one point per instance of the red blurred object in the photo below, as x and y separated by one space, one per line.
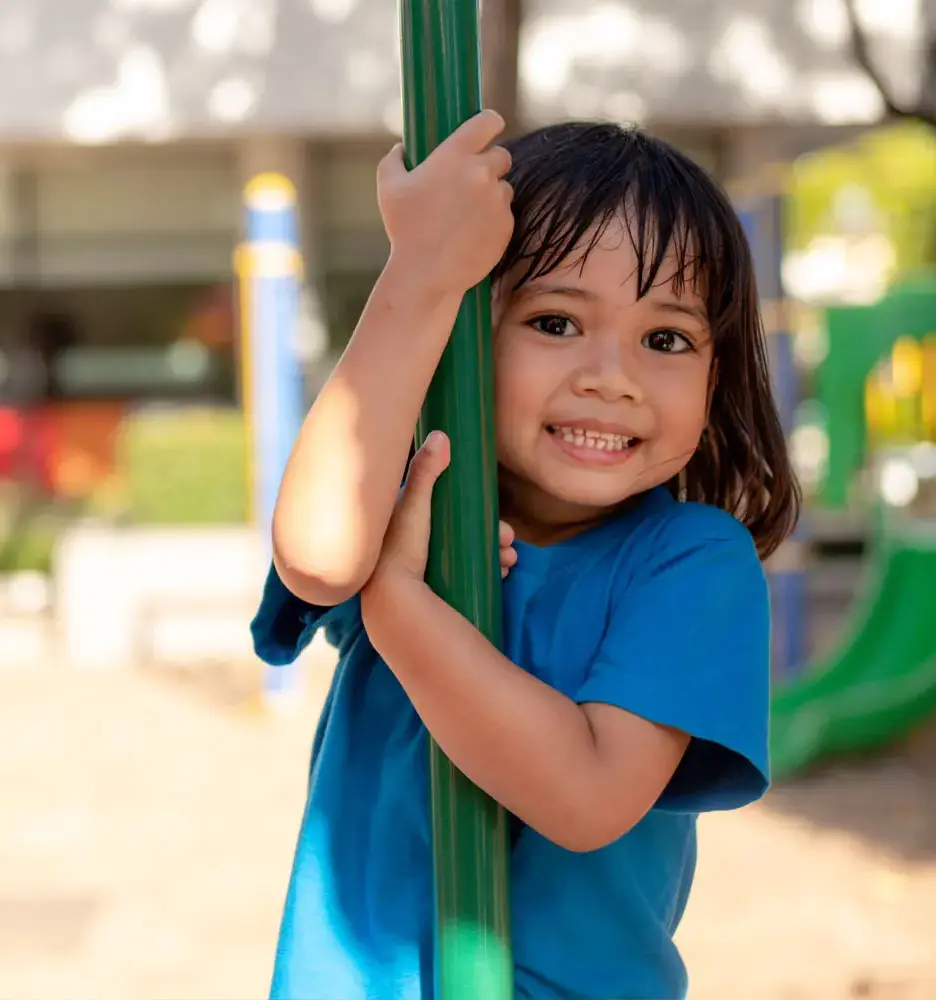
12 433
79 449
66 449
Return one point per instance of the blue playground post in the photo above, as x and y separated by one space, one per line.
269 268
762 219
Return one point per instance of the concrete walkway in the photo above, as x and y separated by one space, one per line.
147 826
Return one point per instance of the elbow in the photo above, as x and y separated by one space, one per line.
583 838
314 588
590 828
317 571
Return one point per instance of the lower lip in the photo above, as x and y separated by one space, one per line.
592 456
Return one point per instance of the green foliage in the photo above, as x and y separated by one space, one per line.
185 466
896 166
181 466
31 546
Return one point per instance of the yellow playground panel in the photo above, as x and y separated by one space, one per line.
900 395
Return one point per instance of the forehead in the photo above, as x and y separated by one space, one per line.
607 263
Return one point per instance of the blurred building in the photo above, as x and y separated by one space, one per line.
128 128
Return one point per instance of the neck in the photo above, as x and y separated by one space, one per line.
540 519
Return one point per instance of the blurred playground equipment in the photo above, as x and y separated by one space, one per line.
270 271
880 680
875 386
761 211
877 391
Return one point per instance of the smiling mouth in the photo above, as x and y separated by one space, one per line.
591 439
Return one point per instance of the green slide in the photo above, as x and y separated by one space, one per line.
881 680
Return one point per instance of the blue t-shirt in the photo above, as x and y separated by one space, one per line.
663 612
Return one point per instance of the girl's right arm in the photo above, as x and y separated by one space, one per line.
448 221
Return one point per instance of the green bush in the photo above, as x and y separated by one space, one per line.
31 546
185 466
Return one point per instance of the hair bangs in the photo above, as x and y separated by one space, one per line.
565 202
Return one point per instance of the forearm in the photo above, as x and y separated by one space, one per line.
527 745
342 478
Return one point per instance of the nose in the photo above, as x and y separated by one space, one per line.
608 375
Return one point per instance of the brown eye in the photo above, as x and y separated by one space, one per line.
667 342
554 326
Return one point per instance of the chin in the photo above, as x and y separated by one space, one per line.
599 496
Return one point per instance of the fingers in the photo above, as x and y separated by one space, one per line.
498 160
508 554
428 464
473 137
477 133
508 559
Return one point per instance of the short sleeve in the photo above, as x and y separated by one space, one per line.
688 646
284 624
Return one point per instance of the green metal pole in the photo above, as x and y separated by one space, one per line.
441 89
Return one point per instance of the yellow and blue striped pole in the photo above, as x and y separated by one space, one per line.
269 269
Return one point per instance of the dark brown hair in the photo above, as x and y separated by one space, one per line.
570 181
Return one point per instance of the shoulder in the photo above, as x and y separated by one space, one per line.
687 645
681 524
669 536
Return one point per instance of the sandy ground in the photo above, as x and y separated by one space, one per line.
147 824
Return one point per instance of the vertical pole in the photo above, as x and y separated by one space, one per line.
762 219
442 89
269 268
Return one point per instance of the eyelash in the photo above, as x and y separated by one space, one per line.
689 345
537 321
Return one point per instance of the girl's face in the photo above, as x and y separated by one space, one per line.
599 395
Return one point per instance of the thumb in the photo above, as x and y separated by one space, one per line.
391 166
428 464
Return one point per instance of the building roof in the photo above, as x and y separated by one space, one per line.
99 70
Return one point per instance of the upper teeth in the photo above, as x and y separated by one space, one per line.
600 440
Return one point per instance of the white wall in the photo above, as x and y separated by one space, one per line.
94 71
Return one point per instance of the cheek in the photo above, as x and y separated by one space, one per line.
515 390
520 397
683 406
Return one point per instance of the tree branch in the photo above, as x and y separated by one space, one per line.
862 55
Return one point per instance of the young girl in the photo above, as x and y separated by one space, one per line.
642 477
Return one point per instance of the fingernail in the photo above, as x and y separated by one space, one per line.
432 442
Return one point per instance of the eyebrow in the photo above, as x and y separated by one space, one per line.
531 291
696 312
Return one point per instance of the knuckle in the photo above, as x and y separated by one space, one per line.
480 174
